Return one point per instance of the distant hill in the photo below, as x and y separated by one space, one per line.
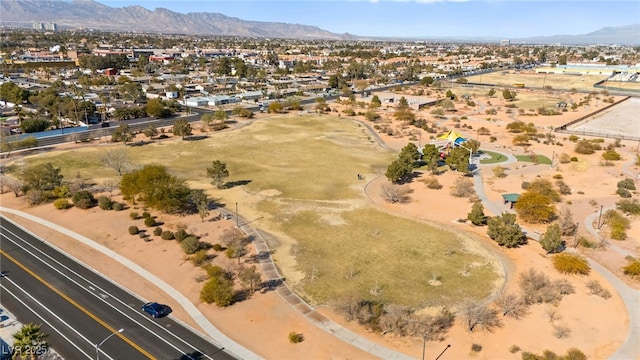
624 35
90 14
93 15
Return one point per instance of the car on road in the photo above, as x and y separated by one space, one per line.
156 310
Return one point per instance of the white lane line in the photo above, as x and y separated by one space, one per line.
98 296
4 288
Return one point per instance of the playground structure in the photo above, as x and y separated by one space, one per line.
446 142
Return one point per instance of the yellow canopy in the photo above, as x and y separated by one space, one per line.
451 135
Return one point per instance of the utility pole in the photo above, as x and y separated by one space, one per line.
237 220
600 217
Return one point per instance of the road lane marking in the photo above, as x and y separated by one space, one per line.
4 288
78 306
95 288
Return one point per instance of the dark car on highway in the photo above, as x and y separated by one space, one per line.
156 310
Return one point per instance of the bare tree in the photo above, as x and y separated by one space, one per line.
464 188
110 185
394 193
231 236
512 306
480 315
118 160
568 226
16 186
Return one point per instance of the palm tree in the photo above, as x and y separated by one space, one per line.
30 342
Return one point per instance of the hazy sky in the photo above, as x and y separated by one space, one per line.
421 18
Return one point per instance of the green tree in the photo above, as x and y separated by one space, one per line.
218 290
34 125
29 342
426 81
150 131
508 95
275 108
220 115
431 156
157 108
181 127
458 159
122 133
250 278
203 209
505 231
409 155
156 188
218 173
375 102
551 240
42 177
397 171
535 208
477 216
545 187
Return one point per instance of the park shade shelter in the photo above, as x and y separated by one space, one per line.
448 141
510 199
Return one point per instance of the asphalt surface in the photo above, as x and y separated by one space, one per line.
78 308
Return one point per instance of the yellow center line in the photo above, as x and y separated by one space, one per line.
80 307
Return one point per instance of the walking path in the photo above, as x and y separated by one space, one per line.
630 349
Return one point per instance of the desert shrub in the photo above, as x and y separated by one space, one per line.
157 231
83 199
574 159
595 288
105 203
617 224
146 214
535 208
611 155
116 206
134 215
563 188
514 349
584 147
561 331
295 337
538 288
181 234
571 264
463 188
632 269
572 354
133 230
624 193
499 172
61 204
525 185
476 348
629 206
199 258
586 243
149 221
557 176
432 183
190 245
627 184
218 247
564 158
493 139
167 235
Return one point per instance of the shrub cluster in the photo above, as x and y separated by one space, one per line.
105 203
595 288
632 269
538 288
572 354
295 337
618 224
83 199
627 206
61 204
571 264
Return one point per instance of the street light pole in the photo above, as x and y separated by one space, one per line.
424 344
103 341
600 217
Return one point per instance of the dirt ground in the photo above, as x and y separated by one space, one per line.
263 322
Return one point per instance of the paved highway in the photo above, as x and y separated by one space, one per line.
78 308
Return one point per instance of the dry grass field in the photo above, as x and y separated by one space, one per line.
535 80
299 176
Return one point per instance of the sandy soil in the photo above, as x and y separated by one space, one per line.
263 322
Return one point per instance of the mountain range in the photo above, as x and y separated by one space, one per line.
90 14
